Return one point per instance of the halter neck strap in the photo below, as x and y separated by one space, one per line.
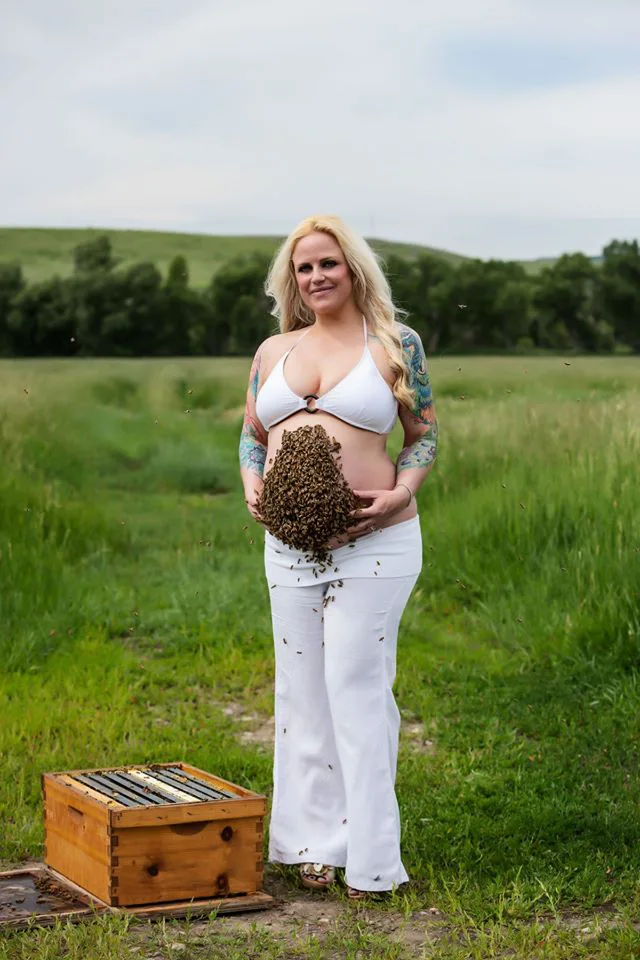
294 345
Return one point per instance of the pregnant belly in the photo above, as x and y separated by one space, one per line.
364 460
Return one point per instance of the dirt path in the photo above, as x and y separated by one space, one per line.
300 914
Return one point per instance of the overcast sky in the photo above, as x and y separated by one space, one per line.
501 128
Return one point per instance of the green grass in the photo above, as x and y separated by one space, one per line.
44 252
353 937
133 607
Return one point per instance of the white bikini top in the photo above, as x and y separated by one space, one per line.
363 398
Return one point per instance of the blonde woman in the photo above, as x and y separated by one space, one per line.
343 361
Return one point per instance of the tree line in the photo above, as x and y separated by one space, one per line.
105 309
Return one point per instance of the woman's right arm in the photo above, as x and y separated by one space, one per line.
253 442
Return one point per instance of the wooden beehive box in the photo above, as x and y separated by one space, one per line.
153 834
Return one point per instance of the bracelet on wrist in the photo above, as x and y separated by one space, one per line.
409 491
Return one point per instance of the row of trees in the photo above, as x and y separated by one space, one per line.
575 304
103 309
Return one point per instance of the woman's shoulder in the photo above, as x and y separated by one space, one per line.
408 336
273 348
279 342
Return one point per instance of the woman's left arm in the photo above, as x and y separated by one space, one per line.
419 422
420 441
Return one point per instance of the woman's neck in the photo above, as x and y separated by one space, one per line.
348 318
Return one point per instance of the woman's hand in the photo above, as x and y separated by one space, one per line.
252 493
383 504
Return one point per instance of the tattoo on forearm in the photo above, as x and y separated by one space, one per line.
253 448
421 453
253 453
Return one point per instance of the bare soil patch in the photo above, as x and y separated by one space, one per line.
304 914
259 730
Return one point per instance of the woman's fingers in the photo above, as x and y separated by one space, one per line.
362 527
363 512
359 531
254 513
379 508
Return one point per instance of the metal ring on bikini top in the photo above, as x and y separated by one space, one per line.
311 396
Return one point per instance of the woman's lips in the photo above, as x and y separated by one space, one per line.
322 290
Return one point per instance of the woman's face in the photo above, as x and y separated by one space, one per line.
322 273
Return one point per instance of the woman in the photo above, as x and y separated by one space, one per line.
341 361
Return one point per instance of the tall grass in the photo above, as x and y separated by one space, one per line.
544 554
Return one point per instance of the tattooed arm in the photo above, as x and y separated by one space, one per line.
418 453
253 441
419 422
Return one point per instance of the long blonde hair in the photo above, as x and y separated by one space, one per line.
370 290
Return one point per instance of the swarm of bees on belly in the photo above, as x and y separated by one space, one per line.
306 500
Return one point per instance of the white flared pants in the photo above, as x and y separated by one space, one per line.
337 727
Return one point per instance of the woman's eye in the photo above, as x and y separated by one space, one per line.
325 264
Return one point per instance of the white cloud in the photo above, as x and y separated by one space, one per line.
245 116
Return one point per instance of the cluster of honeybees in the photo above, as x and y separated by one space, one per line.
306 500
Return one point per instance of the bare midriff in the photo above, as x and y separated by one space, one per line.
364 461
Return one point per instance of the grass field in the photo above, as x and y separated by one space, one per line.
45 252
135 628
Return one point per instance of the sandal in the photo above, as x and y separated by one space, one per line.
317 876
354 894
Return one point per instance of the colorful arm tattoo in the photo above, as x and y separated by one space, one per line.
253 439
422 452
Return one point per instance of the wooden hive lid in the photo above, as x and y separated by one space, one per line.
160 793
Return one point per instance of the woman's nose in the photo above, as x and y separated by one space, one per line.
317 275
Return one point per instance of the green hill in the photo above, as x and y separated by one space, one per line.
45 252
